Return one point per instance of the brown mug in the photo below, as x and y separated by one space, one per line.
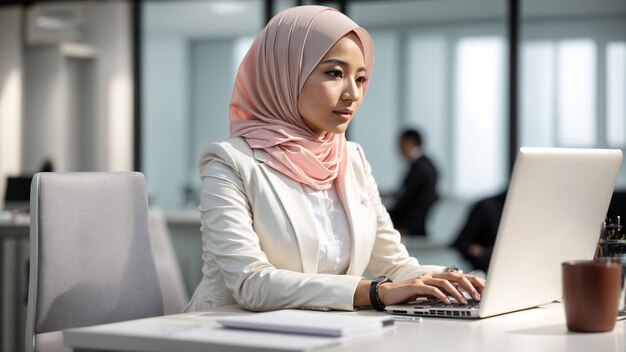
591 291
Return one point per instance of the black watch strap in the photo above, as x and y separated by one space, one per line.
374 299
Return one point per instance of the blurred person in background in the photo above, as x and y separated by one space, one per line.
478 235
419 189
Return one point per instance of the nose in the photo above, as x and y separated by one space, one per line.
351 91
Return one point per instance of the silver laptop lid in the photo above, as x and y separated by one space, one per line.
555 205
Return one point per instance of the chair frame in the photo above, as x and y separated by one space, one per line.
35 250
31 308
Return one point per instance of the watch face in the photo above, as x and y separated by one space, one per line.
379 279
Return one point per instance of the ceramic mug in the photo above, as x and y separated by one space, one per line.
591 290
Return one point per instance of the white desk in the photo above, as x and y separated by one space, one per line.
539 329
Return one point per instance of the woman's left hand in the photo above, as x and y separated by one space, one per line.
473 284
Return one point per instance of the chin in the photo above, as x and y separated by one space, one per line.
339 129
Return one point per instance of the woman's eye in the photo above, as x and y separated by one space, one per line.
334 73
361 80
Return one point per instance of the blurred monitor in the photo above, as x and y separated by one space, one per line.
17 193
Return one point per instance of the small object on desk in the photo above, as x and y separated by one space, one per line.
408 318
614 230
590 294
612 239
308 323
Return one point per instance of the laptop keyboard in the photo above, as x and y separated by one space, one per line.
435 303
434 307
430 306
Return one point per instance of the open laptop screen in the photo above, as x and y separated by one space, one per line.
555 205
17 192
557 200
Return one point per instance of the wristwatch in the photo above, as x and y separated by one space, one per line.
374 299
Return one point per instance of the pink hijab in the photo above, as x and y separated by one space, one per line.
264 104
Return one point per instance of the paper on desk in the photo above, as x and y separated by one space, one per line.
165 335
309 323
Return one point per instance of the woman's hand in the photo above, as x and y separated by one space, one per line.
439 285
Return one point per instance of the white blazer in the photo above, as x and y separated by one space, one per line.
260 248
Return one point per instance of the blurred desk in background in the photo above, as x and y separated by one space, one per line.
184 227
432 252
14 254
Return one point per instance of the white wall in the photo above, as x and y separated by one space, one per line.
78 109
109 31
46 122
10 94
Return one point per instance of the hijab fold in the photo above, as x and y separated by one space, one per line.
264 103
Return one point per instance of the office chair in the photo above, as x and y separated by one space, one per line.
173 288
90 255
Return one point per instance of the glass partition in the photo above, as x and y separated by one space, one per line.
572 74
191 50
440 66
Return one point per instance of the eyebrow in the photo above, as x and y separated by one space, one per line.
341 63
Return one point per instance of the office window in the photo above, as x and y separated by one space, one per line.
376 123
615 94
480 151
242 45
427 99
537 94
576 84
191 52
573 80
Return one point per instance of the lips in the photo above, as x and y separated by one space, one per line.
344 111
344 114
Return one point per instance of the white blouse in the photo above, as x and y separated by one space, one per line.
333 228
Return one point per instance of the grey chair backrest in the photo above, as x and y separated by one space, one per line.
90 256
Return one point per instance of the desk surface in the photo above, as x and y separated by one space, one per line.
538 329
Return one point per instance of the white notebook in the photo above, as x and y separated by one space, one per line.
165 334
309 323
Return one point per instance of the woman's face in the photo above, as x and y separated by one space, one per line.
332 93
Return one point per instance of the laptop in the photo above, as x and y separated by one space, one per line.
555 205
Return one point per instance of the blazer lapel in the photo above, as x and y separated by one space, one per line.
354 211
290 194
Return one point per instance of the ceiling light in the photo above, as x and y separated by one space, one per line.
229 8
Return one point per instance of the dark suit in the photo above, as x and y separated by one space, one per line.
416 197
481 228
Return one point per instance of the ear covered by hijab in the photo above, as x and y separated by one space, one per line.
264 104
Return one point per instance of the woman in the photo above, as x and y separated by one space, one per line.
291 215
